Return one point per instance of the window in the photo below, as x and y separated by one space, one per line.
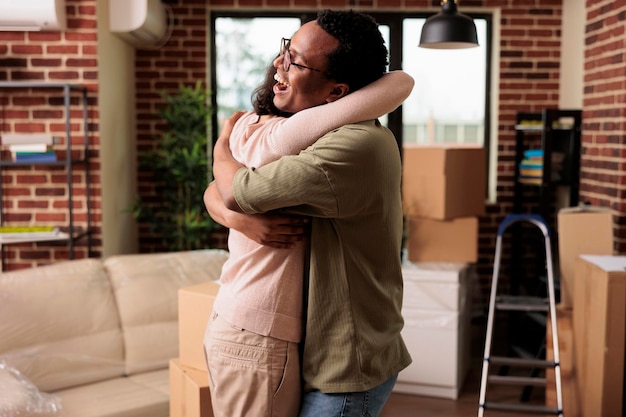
449 103
245 47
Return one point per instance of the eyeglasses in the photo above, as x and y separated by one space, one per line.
284 51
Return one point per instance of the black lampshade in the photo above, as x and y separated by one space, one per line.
449 29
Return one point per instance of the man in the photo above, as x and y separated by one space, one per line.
349 181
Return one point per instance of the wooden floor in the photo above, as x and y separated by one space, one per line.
403 405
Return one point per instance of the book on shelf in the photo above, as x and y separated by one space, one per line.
533 153
31 147
531 163
49 156
530 180
531 172
529 125
29 138
29 232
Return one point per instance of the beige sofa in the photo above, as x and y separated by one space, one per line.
90 337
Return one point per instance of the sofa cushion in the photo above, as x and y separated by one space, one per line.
119 397
64 328
146 289
156 380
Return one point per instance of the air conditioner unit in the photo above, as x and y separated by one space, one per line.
32 15
142 23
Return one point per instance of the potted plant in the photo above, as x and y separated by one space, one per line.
180 167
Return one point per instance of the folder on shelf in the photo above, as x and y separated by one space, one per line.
28 231
30 234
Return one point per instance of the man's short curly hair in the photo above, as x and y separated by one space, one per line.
361 56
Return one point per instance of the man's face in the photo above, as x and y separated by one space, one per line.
301 88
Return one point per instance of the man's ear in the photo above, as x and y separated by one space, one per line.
339 90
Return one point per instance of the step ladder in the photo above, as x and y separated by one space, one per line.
530 304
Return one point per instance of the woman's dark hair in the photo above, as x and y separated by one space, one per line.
361 56
263 96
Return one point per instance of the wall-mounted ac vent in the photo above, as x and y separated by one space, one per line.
32 15
142 23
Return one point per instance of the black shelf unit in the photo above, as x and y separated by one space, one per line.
70 233
556 132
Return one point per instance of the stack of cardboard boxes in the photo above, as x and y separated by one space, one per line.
591 318
189 380
444 192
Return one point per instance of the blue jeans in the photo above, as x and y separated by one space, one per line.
352 404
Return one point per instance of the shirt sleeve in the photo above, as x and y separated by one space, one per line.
329 179
295 182
305 127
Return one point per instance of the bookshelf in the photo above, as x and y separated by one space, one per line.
71 156
556 135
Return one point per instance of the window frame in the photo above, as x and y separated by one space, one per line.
394 20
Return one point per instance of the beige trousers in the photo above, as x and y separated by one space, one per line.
251 375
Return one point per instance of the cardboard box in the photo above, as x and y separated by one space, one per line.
431 240
189 391
599 319
564 327
195 304
435 285
444 182
581 230
436 311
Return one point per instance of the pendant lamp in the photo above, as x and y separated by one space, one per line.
449 29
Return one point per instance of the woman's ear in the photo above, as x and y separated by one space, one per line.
339 90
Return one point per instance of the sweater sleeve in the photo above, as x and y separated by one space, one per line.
305 127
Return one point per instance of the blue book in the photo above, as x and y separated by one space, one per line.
530 153
35 156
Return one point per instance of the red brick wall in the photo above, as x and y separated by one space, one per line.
39 195
603 163
529 61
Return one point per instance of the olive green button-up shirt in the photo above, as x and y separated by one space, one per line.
349 180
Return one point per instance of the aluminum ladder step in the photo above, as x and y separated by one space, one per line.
521 303
526 408
521 362
517 380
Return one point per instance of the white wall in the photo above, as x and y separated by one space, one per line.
116 105
571 82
